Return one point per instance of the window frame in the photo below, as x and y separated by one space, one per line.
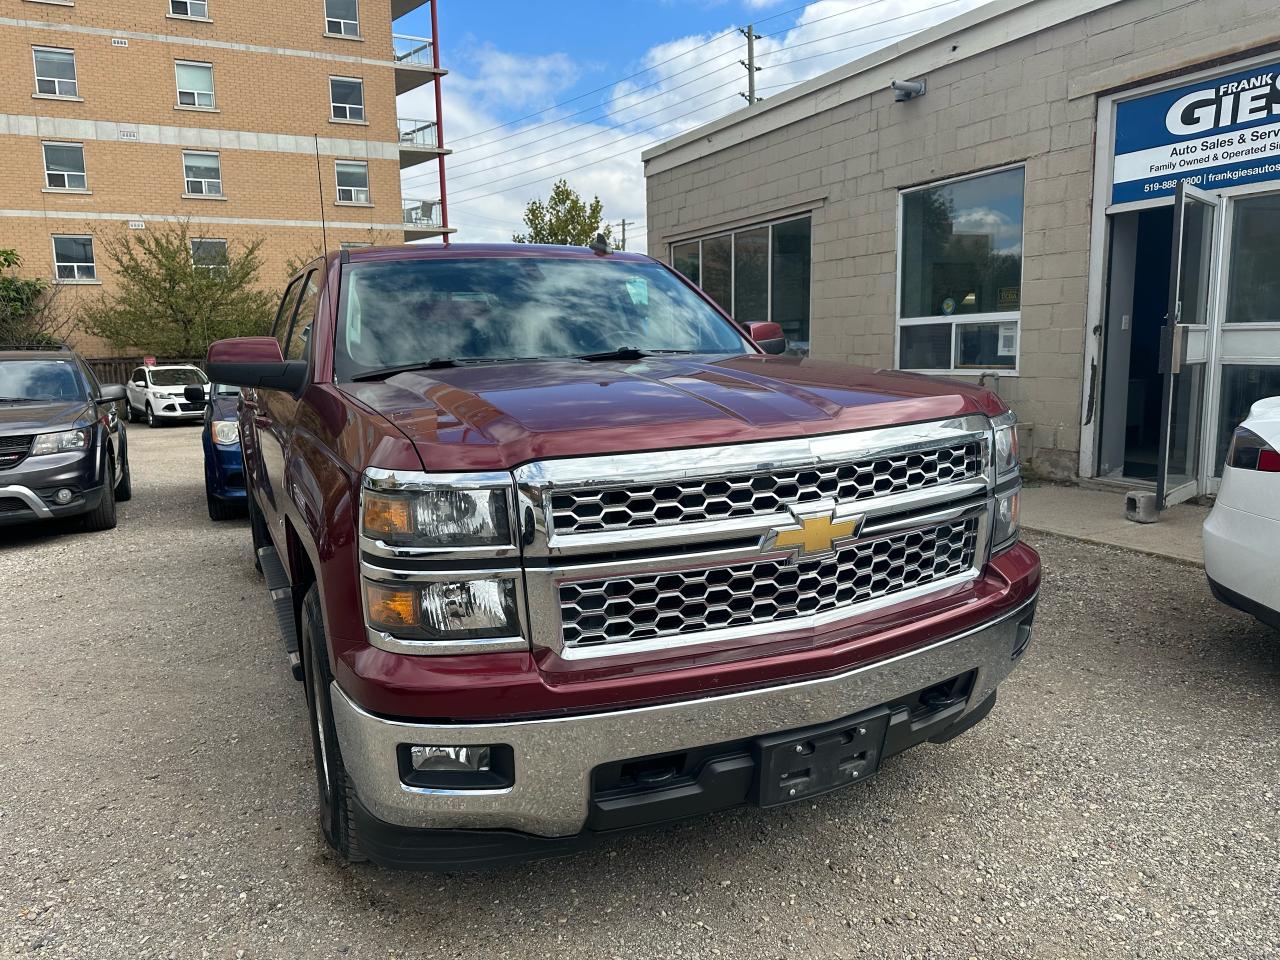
802 345
84 170
188 15
75 265
210 267
334 105
339 20
187 192
36 48
368 190
958 320
213 94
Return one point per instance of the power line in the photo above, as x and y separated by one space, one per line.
604 146
829 16
860 29
607 86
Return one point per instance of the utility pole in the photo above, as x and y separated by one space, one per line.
749 31
624 234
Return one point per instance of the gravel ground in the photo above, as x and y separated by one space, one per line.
1123 799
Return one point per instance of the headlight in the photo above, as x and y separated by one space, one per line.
444 517
1005 453
60 442
1005 531
445 610
226 432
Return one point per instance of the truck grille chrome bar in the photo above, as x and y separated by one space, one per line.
625 609
628 507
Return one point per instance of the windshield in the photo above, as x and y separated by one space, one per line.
410 311
177 377
51 380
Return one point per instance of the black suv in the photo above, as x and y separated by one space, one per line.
62 449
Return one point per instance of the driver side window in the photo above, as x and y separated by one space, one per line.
280 329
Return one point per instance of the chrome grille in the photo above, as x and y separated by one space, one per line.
646 606
627 507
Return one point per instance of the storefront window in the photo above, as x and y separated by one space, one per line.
1242 386
757 274
1253 289
962 261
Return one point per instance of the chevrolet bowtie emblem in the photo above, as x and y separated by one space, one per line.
815 531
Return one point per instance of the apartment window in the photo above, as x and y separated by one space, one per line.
355 244
192 9
73 259
64 166
347 96
757 274
342 17
209 255
353 181
960 274
203 173
56 72
195 84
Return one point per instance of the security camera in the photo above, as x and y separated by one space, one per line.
906 89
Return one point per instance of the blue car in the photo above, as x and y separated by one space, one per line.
223 463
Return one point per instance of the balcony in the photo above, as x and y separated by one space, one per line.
401 8
418 141
415 63
422 220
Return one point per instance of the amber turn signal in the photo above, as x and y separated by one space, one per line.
392 607
387 516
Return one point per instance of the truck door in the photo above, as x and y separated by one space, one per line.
276 409
254 419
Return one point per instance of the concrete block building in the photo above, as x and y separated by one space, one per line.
247 120
1023 222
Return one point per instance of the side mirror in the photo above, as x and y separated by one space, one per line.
194 393
139 383
768 337
111 393
254 362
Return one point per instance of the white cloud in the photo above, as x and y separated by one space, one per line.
596 140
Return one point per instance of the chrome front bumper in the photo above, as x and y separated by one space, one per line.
554 758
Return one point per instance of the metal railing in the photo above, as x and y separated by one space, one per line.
417 133
422 214
413 51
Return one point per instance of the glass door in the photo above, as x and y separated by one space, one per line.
1184 346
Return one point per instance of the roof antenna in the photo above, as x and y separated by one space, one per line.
600 246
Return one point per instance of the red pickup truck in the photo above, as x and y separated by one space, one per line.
560 549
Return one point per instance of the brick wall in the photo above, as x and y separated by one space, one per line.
1009 105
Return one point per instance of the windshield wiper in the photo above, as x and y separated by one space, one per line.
436 363
627 353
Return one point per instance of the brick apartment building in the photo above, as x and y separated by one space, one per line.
1021 221
246 119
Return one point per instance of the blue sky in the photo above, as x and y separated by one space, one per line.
576 89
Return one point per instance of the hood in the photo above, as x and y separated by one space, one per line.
42 417
501 415
224 408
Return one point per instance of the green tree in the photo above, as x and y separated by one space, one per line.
564 218
171 302
28 313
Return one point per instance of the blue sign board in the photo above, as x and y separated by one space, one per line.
1213 134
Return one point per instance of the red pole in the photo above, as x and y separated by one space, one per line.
435 60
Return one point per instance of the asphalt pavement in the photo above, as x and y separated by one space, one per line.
156 787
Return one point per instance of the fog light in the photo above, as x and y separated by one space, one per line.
64 496
461 759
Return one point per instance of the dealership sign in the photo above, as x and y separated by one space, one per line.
1213 134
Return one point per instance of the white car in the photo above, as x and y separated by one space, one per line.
155 394
1242 534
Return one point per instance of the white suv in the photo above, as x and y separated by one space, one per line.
155 394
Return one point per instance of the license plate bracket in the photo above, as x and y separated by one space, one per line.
800 764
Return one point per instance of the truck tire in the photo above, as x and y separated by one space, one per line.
124 489
334 787
103 516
